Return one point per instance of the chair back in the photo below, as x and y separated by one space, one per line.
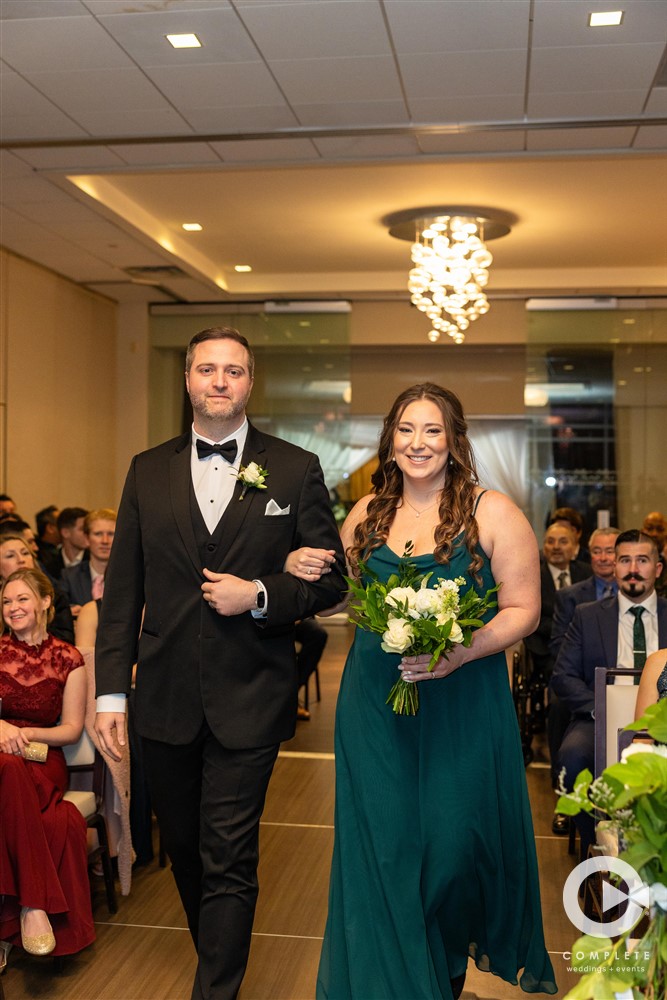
80 754
614 709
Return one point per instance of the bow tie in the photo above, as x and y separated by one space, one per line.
228 450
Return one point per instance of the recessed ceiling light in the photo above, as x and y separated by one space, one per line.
192 227
184 41
605 18
242 267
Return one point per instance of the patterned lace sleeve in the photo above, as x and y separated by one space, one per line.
65 658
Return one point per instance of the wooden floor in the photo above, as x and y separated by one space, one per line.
144 951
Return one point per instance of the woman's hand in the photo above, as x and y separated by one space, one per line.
309 564
13 739
415 668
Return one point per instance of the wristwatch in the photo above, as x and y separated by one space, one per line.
260 601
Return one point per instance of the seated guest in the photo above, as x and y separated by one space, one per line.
594 588
653 685
15 554
44 890
48 540
617 631
558 569
85 581
74 540
7 505
15 525
312 639
568 515
601 584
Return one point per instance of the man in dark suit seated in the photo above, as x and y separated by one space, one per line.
617 631
85 581
558 569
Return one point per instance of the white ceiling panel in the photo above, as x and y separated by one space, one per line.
170 153
484 108
239 118
468 74
347 79
266 150
159 122
102 90
353 30
126 292
99 7
25 190
591 68
13 165
57 45
586 103
18 97
566 24
17 230
189 87
223 37
354 147
581 138
474 142
77 159
352 113
651 138
421 26
657 102
21 9
66 209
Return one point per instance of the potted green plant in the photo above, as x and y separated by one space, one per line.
633 794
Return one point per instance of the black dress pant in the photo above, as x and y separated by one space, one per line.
208 801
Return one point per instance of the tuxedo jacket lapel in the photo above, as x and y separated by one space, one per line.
180 477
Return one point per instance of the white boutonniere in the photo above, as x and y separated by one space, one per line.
252 476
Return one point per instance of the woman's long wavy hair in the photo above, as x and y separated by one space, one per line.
457 499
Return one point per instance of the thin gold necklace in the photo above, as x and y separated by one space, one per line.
418 513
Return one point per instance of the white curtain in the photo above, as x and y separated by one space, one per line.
501 451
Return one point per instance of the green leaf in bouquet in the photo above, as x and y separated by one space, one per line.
586 952
654 720
640 854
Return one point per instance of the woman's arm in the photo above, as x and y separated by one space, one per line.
70 727
85 627
509 542
648 685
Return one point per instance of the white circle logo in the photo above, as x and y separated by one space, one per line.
637 897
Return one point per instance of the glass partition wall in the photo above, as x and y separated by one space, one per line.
596 405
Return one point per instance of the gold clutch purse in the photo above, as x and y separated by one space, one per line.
36 751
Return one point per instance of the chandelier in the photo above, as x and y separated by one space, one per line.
450 262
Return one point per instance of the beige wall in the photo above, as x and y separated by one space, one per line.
59 414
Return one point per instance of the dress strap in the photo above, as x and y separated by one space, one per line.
479 497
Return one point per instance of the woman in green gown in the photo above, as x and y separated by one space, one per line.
434 855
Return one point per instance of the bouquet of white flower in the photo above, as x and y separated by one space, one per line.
413 618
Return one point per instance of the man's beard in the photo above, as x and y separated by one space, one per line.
234 408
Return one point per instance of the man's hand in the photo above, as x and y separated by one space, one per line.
227 594
110 728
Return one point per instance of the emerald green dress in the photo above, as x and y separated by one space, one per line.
434 854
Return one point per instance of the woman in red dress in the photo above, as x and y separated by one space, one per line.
44 890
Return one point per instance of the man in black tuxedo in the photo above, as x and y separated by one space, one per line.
601 634
216 688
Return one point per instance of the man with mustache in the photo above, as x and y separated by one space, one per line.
605 634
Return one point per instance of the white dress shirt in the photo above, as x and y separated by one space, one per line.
625 657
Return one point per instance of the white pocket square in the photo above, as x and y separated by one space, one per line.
273 510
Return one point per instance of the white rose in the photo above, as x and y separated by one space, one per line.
397 597
456 635
398 636
427 602
252 474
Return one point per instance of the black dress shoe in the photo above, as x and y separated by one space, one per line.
560 825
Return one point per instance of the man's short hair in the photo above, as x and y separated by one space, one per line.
602 531
570 515
68 517
103 514
12 525
636 536
44 517
220 333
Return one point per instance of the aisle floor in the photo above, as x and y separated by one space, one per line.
144 951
